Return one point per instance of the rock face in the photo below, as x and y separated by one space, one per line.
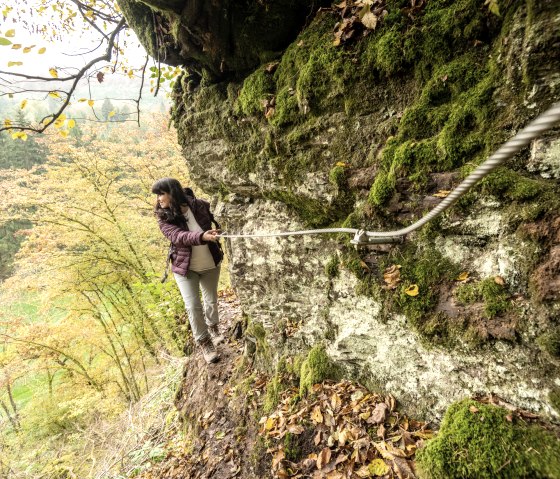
363 134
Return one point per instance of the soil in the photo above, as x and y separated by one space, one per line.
221 422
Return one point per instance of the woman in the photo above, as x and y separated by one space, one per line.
195 258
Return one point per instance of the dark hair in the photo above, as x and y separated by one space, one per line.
173 214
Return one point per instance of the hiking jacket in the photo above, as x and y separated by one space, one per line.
182 239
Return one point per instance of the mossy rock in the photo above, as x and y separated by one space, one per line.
495 296
316 367
479 441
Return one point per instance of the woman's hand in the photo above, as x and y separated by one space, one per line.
210 235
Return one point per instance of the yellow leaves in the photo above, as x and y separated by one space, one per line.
462 277
19 135
10 33
23 104
41 50
130 73
53 72
54 94
71 123
442 193
499 280
6 11
16 46
28 49
341 163
269 424
59 122
81 100
64 133
91 103
412 290
7 123
15 64
111 114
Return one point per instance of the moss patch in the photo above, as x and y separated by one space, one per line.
476 440
257 87
550 342
316 367
495 296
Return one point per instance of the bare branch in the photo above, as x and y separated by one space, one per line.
106 57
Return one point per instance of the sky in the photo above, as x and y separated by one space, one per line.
71 51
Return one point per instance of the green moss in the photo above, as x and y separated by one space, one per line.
337 176
272 396
477 440
331 268
382 189
428 269
554 398
316 367
388 52
257 87
495 296
550 342
508 184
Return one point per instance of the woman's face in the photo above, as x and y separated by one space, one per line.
164 200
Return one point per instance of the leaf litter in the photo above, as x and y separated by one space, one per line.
357 434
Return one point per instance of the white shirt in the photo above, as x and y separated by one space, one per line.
201 258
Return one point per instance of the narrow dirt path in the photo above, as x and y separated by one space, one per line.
221 422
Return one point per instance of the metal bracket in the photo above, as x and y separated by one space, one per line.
361 238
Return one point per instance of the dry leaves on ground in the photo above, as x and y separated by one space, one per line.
356 434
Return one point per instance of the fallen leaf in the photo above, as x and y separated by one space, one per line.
317 438
316 415
462 277
323 457
41 50
295 429
369 20
473 409
412 290
442 193
379 414
499 280
28 49
392 276
10 33
278 458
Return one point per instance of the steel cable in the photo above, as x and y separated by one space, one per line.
542 123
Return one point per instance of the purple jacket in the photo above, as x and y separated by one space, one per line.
182 239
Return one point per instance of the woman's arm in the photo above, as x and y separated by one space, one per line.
179 236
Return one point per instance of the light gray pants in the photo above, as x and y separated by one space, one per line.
190 286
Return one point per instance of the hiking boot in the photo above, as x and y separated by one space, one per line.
209 350
214 331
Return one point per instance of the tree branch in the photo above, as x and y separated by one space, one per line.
106 57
